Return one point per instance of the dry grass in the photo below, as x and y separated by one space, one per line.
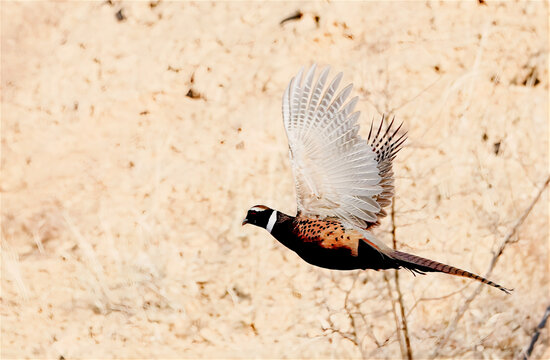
122 197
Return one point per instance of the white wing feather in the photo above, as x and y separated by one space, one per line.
335 170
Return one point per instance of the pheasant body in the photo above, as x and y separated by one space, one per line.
324 243
343 183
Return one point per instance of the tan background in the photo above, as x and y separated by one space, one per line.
122 198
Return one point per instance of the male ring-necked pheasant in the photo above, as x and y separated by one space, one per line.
343 184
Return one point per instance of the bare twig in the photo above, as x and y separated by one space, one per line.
10 262
414 97
422 299
443 340
353 313
404 326
351 335
527 352
395 317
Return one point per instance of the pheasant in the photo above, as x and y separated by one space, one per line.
343 184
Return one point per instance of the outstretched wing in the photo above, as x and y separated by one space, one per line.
386 145
337 173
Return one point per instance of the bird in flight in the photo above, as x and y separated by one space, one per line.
343 184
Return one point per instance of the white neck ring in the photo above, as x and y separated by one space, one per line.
271 222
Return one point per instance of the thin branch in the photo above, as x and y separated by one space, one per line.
422 299
404 326
395 108
527 352
395 317
352 310
443 340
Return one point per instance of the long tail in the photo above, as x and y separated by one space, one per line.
420 265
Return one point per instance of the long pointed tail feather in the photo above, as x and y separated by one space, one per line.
419 265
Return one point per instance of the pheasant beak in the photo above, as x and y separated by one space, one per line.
245 221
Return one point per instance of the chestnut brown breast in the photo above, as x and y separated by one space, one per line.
326 234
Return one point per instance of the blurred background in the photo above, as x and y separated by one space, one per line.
135 136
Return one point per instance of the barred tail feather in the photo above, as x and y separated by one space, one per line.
420 265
